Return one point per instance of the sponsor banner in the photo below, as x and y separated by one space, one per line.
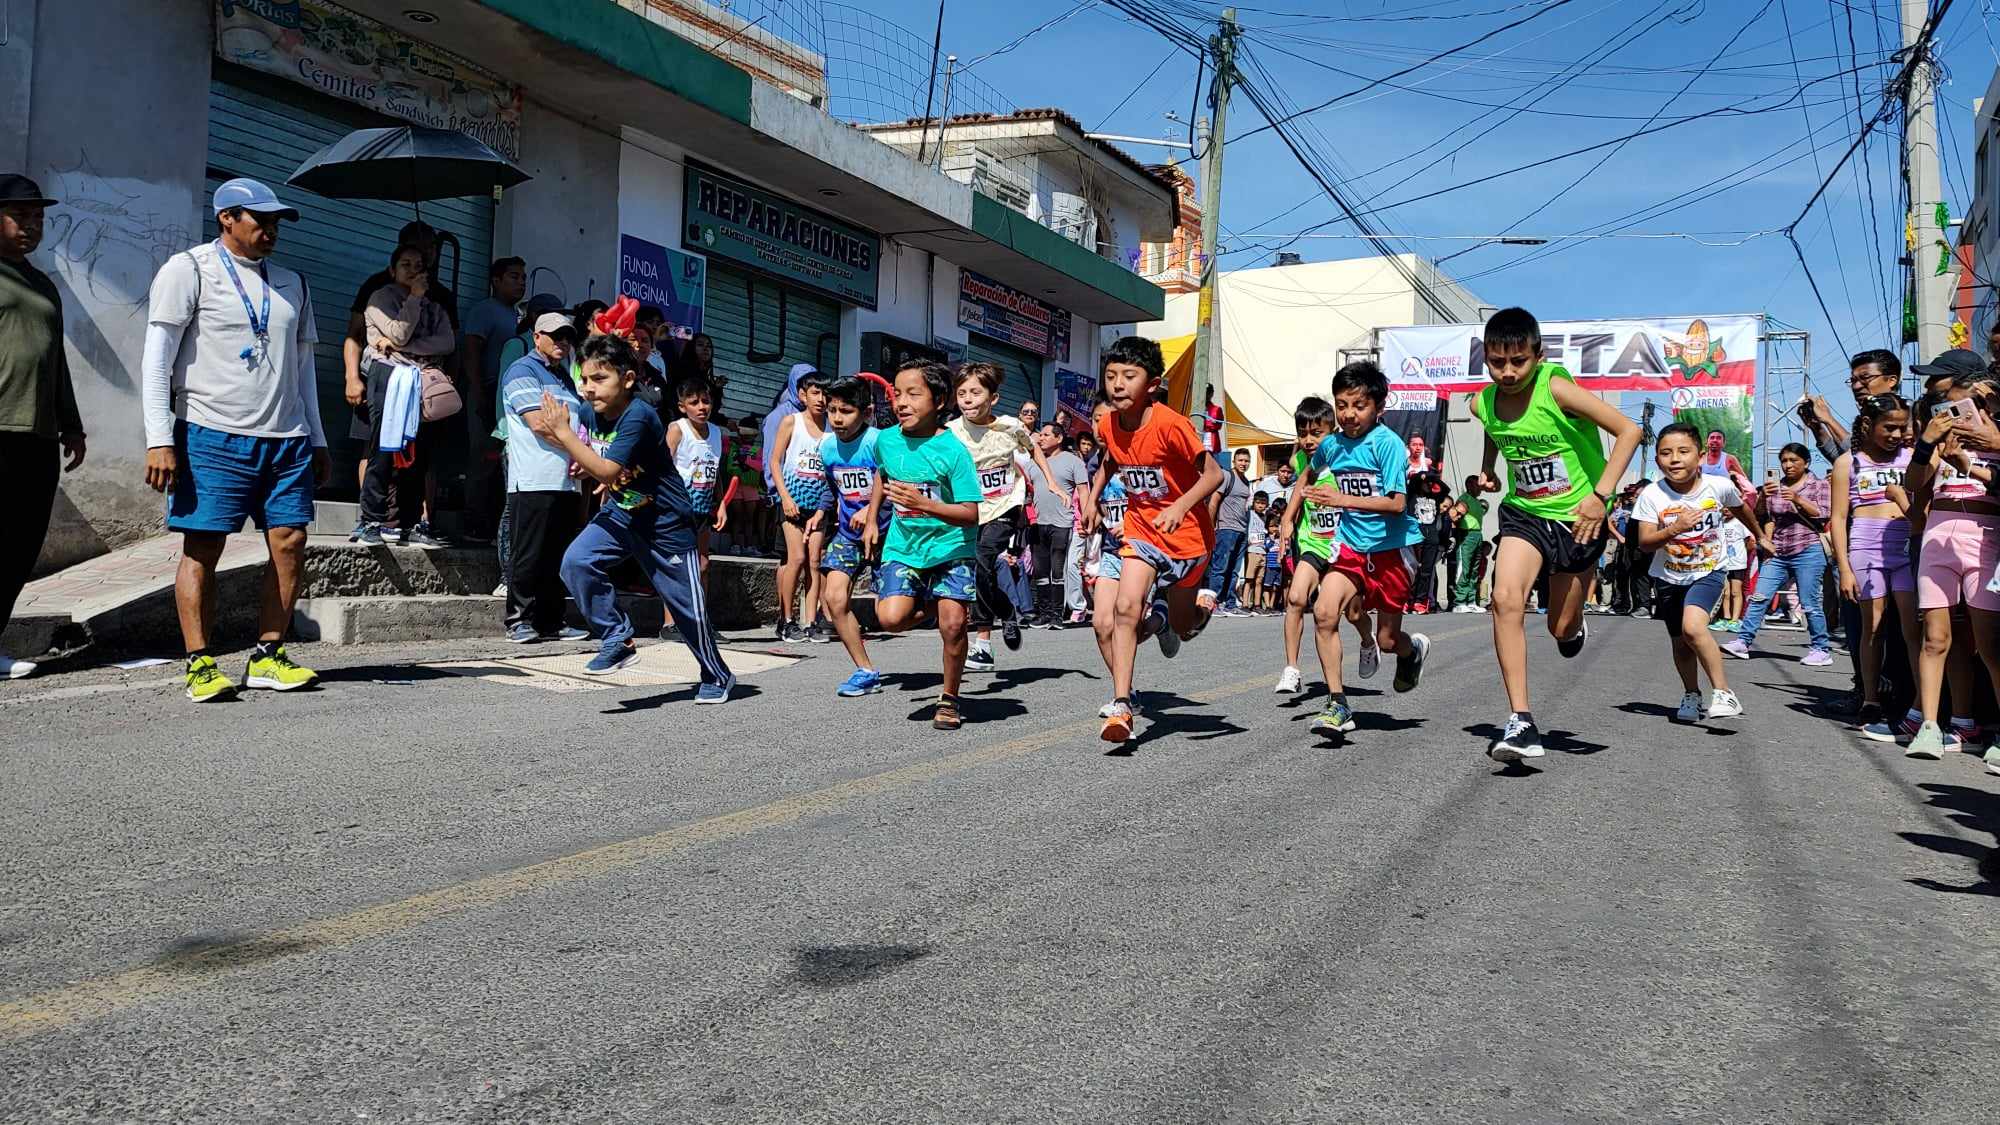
358 60
1702 370
1603 355
1073 393
786 240
677 282
991 309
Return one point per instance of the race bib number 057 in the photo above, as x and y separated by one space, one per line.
994 483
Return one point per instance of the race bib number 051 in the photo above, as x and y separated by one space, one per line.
929 489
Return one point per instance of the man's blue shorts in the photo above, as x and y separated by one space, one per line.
951 581
226 478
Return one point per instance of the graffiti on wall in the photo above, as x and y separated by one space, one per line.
108 237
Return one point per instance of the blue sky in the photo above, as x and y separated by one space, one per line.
1095 59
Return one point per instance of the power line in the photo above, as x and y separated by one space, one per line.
1536 14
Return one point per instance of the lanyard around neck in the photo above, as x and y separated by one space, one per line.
260 324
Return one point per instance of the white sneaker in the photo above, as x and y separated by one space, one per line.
1370 661
1690 709
1104 712
12 669
1290 682
1724 705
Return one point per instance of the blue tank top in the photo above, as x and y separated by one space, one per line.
851 470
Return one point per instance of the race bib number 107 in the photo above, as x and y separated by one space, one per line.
1541 477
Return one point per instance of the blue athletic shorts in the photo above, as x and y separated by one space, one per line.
226 478
1110 566
845 556
950 581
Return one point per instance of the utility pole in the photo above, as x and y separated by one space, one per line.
1933 291
1207 350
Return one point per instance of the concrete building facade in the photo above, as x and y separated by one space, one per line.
136 108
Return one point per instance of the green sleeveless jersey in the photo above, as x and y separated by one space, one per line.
1553 459
1316 523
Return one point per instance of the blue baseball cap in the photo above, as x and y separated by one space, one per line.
251 196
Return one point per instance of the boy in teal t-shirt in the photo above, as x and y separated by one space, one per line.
927 556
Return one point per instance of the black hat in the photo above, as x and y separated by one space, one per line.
16 188
1956 362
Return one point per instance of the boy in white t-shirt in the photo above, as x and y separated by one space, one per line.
1680 519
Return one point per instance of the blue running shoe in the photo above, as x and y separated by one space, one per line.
864 681
715 693
613 656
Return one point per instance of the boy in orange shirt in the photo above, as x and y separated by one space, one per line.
1168 478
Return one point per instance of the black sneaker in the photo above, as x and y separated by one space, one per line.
1572 646
789 632
819 634
1410 669
978 660
1010 635
1521 739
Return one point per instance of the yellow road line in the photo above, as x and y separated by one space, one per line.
186 972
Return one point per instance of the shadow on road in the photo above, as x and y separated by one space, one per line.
396 673
837 966
1010 678
1560 741
1162 715
1662 711
199 954
1970 808
744 692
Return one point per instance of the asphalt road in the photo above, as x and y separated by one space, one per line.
420 896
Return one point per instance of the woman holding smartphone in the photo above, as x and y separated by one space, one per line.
1793 504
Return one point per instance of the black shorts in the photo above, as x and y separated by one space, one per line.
1671 599
1556 540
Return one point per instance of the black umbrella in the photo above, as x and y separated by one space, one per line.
409 163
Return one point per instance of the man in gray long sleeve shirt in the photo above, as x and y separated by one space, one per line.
232 424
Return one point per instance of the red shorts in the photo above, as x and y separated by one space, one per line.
1381 580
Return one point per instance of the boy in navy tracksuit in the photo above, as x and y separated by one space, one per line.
647 516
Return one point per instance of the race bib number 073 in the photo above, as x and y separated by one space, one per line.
1143 480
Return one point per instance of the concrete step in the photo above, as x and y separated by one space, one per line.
443 617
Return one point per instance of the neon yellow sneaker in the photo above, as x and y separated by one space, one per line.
205 681
277 672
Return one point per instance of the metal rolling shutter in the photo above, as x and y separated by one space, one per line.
1023 380
264 129
789 327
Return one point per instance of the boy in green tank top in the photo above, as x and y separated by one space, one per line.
1552 517
1310 528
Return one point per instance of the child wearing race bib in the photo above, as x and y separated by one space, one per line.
646 517
1105 568
928 553
995 442
1168 478
801 481
1871 542
848 450
700 450
1958 552
1552 517
1307 530
1361 471
1680 518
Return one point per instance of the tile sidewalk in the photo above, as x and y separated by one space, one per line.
108 581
